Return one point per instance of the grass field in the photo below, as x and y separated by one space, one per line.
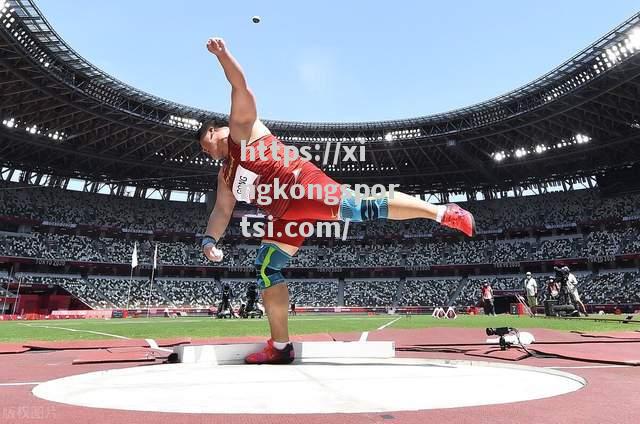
202 327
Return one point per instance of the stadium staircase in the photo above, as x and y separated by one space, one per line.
456 293
160 290
96 290
398 296
6 293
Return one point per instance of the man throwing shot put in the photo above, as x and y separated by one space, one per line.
254 157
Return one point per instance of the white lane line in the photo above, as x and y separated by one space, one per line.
19 384
388 324
78 331
363 336
588 367
304 319
136 321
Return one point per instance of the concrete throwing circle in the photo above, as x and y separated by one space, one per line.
330 386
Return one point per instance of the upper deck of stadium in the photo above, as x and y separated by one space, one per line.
63 116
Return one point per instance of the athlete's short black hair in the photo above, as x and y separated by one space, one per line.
205 127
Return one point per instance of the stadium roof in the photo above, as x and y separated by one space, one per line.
61 115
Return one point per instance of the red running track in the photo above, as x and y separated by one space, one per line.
611 394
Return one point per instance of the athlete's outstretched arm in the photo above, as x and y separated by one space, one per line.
219 218
243 102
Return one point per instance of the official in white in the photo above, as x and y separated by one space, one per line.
531 288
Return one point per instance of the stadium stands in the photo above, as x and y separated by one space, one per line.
313 293
428 291
370 292
410 245
357 254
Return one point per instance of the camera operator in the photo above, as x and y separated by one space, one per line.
552 288
568 288
252 295
225 304
252 300
531 290
487 299
572 283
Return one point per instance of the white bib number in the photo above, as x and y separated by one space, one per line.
243 184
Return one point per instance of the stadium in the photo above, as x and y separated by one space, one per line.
105 195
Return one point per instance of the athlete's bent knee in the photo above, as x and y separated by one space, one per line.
269 263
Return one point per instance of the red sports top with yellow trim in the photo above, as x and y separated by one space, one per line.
254 170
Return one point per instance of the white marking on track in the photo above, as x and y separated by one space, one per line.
153 345
78 331
135 321
20 384
363 336
589 367
388 324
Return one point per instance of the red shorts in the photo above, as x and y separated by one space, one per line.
319 203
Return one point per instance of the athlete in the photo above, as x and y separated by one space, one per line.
254 157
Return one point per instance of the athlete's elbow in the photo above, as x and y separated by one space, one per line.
239 85
243 120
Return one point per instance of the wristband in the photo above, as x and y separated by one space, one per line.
207 240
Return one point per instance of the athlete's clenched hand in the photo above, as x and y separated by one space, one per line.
216 46
213 253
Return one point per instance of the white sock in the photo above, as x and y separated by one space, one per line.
280 345
441 210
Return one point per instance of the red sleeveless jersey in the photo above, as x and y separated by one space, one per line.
250 168
487 293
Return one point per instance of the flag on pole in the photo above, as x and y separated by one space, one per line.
155 258
134 255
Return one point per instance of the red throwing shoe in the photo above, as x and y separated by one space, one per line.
271 355
460 219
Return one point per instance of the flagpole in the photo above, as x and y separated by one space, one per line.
4 304
155 261
129 291
134 263
15 305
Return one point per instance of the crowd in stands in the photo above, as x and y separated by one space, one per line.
602 243
311 293
347 255
70 207
370 292
370 245
112 292
190 293
611 288
556 248
511 250
630 242
421 253
470 294
4 282
427 292
132 293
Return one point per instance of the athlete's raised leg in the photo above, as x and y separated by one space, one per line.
401 206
